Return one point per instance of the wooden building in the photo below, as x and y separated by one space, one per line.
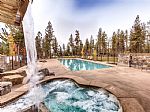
13 11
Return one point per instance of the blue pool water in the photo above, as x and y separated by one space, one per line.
67 96
76 65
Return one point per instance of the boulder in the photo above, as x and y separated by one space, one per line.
5 87
32 108
1 70
46 72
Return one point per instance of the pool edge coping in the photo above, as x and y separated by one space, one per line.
125 99
92 61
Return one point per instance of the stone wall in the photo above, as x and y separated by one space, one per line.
137 58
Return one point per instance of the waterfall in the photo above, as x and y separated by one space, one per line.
32 72
28 28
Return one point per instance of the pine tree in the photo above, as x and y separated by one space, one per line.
143 38
38 41
114 43
4 48
137 37
80 48
43 48
147 47
71 44
68 50
91 45
55 46
99 43
86 48
19 40
118 42
46 46
49 37
64 49
77 43
121 42
60 51
126 40
104 43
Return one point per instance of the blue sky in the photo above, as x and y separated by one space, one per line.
88 4
87 16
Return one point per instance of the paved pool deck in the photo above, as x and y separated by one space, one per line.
131 86
126 83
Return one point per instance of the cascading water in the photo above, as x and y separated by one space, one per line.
28 28
36 93
32 73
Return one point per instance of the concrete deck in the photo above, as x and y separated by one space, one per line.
129 85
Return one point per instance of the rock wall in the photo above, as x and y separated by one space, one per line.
144 58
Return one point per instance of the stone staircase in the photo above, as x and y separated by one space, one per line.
15 79
9 80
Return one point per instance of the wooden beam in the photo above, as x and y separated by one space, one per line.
7 8
9 20
6 20
13 3
7 15
23 7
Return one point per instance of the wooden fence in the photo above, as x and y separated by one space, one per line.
11 62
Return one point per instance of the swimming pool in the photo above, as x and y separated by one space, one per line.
77 65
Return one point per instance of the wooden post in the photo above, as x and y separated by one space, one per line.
12 66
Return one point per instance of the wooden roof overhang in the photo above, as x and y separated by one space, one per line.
13 11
